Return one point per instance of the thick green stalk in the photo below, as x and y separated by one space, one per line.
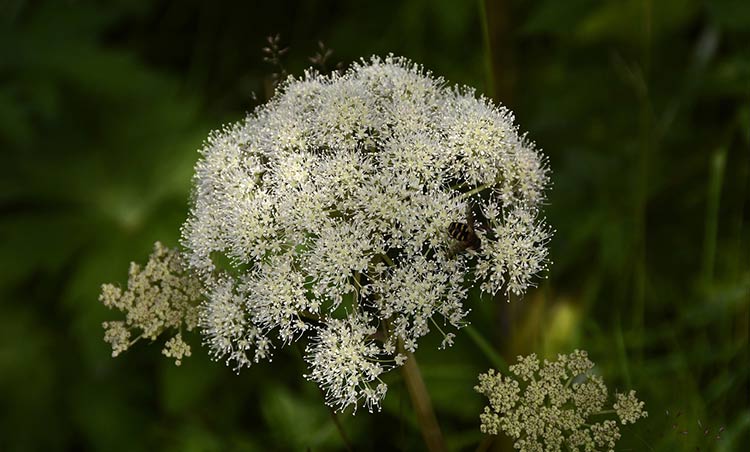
340 428
498 43
420 399
334 417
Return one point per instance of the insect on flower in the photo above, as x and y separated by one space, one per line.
465 234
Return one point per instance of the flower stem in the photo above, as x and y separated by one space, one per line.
486 443
340 428
420 398
387 259
475 190
486 348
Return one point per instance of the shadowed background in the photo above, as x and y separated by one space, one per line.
643 108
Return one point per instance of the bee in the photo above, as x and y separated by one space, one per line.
465 234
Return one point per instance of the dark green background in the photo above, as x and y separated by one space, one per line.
642 106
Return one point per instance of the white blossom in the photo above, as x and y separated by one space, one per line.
344 361
228 331
325 214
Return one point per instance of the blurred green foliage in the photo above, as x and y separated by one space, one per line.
642 106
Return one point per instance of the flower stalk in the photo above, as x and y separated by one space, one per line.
422 403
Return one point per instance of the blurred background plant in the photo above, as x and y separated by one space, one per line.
643 108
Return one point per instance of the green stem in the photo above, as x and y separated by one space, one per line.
622 351
716 175
647 147
473 191
387 259
340 428
489 76
486 443
437 326
489 351
420 398
498 33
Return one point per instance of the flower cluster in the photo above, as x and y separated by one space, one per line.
344 360
545 406
159 297
326 213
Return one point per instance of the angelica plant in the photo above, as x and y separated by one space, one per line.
325 215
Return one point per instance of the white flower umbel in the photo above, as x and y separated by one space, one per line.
326 213
227 329
344 359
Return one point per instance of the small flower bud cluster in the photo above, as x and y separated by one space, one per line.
549 406
159 297
326 214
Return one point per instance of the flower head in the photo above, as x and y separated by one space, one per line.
344 361
326 213
161 296
545 406
629 409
